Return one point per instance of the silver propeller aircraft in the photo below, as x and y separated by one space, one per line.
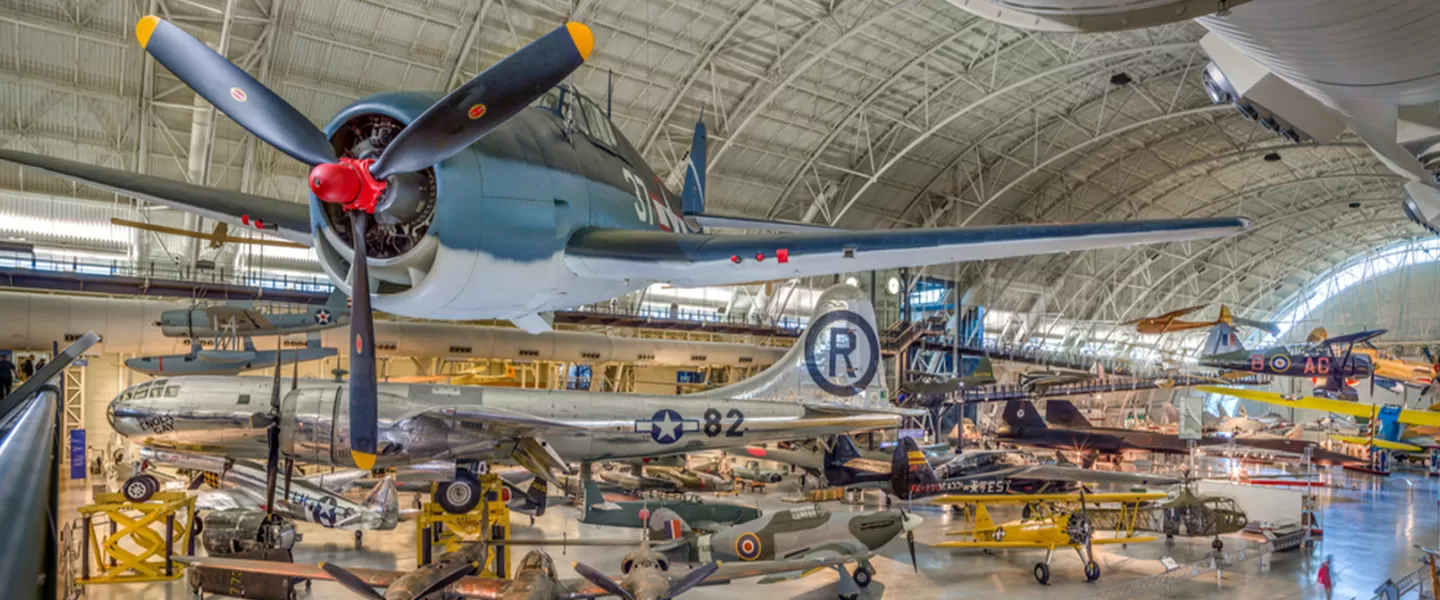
832 381
314 498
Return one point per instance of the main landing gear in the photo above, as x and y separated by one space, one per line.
462 494
140 488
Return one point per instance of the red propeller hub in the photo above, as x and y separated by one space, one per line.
347 183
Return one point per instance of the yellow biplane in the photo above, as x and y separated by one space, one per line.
1051 521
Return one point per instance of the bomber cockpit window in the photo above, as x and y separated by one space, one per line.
172 391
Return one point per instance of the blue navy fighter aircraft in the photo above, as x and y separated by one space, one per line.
513 195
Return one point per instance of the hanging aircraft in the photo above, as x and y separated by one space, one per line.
1331 361
831 381
242 320
988 472
1035 383
225 361
1305 70
560 207
750 470
1073 432
931 393
217 237
1051 521
791 544
1170 322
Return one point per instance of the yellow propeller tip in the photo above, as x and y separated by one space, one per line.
363 460
583 37
320 564
145 27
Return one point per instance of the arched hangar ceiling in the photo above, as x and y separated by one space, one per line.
859 113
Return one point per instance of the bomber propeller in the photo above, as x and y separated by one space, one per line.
454 122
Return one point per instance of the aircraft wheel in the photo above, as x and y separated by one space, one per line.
1092 571
862 576
140 488
1217 545
1042 573
459 496
849 596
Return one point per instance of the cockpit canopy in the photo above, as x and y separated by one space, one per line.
538 561
582 113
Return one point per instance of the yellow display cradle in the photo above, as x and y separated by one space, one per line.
141 538
438 531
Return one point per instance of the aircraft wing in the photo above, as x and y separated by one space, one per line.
1377 442
241 314
990 544
1078 474
697 260
1408 416
497 417
775 571
869 465
470 587
286 220
338 481
1033 498
1136 539
1355 338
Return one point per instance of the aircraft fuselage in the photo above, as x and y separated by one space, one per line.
418 423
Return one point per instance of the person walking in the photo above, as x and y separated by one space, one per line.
7 375
1326 578
27 367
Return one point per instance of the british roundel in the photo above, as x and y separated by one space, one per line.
747 546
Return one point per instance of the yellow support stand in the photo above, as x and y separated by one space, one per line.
438 532
133 549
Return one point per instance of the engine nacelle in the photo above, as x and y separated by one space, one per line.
1261 96
238 530
1422 205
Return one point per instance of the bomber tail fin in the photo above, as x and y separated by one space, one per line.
1064 414
692 194
835 367
841 451
984 370
909 468
1223 339
1022 413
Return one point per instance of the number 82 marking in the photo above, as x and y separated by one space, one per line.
713 426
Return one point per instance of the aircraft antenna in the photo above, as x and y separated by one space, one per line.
609 93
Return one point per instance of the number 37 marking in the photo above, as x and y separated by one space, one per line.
713 426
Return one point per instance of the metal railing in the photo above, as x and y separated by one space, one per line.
164 270
30 467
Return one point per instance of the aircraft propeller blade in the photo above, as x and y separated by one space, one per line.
457 571
910 541
289 471
272 434
364 425
234 92
469 112
602 581
693 578
351 582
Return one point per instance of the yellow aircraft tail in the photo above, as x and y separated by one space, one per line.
1318 334
1225 316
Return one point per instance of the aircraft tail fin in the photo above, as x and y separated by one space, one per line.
692 194
337 299
589 494
384 500
250 345
1296 432
834 368
984 369
1223 339
1064 414
908 468
842 450
1022 413
312 339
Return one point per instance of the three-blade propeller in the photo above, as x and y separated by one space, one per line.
454 122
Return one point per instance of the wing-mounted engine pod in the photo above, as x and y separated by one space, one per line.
1232 77
399 242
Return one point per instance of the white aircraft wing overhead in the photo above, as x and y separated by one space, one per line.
696 260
